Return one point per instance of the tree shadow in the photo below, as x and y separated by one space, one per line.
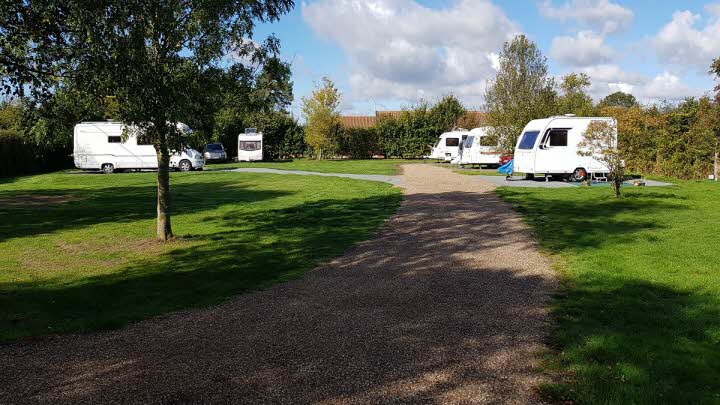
262 248
77 207
633 341
565 222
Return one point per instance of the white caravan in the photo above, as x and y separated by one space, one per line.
250 146
481 148
99 146
448 145
549 147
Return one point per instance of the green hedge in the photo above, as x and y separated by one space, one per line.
358 143
18 157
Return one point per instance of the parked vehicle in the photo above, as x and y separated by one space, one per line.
99 146
480 148
250 146
549 147
215 152
448 145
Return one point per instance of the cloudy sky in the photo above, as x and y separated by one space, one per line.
385 54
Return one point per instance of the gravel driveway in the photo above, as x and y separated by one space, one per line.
446 304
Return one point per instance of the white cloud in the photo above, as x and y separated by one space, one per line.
399 49
601 15
620 86
585 49
608 79
681 43
666 86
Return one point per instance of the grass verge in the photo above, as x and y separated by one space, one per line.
78 252
386 167
638 317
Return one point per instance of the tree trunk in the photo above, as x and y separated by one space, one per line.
164 229
617 184
717 168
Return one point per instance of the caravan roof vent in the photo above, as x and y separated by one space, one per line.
569 115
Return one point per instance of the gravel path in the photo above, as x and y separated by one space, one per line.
396 180
446 304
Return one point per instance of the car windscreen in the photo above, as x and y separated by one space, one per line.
214 147
528 140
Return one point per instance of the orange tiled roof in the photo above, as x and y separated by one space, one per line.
388 114
353 121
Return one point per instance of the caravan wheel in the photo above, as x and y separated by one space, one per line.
580 174
107 168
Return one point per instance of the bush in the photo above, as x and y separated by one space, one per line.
358 143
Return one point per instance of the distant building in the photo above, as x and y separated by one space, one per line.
472 119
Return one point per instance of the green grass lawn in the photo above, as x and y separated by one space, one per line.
638 316
369 166
78 252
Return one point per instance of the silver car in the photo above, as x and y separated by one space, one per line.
215 152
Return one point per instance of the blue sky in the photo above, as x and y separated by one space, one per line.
386 54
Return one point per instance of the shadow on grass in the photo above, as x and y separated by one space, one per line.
267 247
622 341
85 207
568 220
620 337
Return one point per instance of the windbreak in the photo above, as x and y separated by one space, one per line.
528 140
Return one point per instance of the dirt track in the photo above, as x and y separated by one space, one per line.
445 304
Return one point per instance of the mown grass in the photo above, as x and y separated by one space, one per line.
78 252
638 314
387 167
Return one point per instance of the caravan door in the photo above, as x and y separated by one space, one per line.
553 153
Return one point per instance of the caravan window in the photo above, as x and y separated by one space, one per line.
114 139
250 146
452 141
469 142
528 140
558 137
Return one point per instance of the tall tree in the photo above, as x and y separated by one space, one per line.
447 112
574 98
619 99
521 91
146 54
322 116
